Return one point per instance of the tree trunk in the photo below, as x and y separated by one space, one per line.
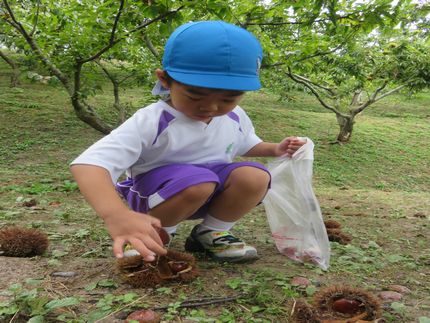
356 98
87 115
346 125
14 78
117 105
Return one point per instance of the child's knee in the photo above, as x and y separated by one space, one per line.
200 192
250 178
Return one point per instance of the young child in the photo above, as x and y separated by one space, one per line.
178 153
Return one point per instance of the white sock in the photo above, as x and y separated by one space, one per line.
211 223
171 230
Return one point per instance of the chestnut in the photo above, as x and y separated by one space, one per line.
346 306
144 316
178 266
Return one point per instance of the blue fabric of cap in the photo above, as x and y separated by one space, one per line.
214 54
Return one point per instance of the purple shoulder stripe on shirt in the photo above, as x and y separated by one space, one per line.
235 117
163 123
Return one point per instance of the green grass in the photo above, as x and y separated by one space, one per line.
384 152
375 186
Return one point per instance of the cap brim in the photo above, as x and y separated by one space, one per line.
215 81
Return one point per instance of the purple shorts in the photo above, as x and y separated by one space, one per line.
147 190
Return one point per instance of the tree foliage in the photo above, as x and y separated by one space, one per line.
339 48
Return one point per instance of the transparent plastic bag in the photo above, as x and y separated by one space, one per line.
293 211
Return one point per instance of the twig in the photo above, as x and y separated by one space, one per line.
293 308
201 302
13 317
244 307
120 309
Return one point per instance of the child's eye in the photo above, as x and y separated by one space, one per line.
193 98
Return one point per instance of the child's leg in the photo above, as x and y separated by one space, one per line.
244 188
171 193
183 204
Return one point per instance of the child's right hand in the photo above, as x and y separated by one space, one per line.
138 229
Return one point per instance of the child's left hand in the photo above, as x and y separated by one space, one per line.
288 146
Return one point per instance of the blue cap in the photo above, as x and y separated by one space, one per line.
214 54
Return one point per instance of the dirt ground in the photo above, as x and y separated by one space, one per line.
398 224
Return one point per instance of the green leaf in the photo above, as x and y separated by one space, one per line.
129 297
424 319
8 309
91 286
107 283
164 290
256 309
64 302
398 307
37 319
234 283
37 304
395 258
310 290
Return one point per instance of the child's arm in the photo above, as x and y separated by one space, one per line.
123 224
286 147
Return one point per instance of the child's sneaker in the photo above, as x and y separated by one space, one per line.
220 245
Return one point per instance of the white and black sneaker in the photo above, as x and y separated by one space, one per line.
220 245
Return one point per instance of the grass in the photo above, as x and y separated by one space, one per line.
376 186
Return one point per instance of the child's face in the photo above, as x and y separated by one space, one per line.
202 104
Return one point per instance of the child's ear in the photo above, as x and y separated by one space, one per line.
162 77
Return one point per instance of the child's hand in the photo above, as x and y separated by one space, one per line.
139 230
288 146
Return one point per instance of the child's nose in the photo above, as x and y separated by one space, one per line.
209 107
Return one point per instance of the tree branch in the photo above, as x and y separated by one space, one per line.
29 39
374 97
115 23
390 92
7 59
291 22
36 20
150 46
371 100
317 54
115 41
314 92
329 90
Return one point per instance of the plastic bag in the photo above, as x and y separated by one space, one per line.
293 211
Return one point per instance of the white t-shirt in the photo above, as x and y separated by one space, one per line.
159 135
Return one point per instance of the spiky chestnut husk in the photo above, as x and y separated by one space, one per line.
305 313
22 242
332 224
330 303
175 266
336 235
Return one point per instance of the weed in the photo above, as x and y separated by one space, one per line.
383 173
32 303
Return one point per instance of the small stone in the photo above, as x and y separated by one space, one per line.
420 215
55 204
337 207
400 289
30 203
390 296
300 281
